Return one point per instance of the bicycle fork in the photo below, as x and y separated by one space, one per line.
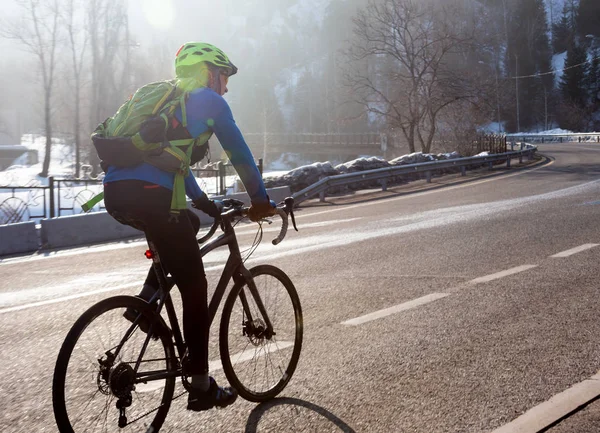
254 328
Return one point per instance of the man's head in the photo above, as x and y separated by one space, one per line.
205 63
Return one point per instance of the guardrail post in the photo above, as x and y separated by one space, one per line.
490 165
51 186
322 193
463 170
560 138
221 167
216 173
520 158
428 176
383 184
508 162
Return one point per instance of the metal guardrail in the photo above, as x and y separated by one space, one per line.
384 174
585 137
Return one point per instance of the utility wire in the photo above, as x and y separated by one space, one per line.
553 71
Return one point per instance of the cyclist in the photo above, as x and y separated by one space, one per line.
141 196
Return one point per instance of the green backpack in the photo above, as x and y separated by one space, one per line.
117 140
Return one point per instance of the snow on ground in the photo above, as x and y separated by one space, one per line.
555 131
27 202
31 201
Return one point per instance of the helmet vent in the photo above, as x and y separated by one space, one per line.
198 53
208 50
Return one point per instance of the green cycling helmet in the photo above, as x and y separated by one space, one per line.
192 53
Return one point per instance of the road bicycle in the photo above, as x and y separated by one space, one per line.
110 374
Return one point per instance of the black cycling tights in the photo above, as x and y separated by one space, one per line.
146 206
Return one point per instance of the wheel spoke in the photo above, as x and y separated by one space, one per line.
103 326
259 379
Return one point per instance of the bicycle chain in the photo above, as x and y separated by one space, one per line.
154 410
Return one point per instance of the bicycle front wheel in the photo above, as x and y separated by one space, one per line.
101 381
259 363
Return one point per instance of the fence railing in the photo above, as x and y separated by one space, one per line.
388 174
66 196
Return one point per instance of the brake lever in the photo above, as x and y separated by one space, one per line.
289 204
293 219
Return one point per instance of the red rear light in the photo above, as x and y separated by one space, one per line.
149 254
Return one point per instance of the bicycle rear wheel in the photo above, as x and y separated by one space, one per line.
257 364
93 376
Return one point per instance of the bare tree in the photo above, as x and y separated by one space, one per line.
38 32
106 22
398 65
77 45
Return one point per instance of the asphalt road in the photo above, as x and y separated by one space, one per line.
496 279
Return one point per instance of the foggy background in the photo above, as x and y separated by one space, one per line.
311 66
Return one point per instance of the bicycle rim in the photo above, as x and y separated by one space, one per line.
88 385
259 366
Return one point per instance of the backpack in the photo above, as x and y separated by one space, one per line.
117 144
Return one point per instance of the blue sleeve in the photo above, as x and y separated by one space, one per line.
239 154
192 190
208 110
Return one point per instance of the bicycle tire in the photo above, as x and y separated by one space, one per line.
115 306
233 368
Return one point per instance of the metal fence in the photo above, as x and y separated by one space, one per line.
65 196
593 137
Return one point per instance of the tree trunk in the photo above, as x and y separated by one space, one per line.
77 126
48 126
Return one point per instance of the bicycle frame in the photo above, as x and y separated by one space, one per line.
234 269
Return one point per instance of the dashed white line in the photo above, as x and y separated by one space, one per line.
502 274
575 250
395 309
559 406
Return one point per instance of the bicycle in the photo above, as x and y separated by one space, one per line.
110 386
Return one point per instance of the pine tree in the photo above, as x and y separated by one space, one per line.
528 55
572 84
562 33
594 78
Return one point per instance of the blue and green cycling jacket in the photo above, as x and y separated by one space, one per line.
205 110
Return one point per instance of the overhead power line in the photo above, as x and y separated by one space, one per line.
541 74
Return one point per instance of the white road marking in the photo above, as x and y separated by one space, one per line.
251 353
243 230
216 365
424 220
395 309
559 406
502 274
68 298
82 295
575 250
93 249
